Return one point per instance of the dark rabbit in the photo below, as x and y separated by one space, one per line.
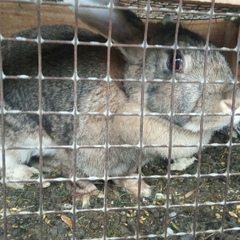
106 140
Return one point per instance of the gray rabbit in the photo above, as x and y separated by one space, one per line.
114 106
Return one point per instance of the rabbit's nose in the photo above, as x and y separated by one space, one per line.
237 103
227 105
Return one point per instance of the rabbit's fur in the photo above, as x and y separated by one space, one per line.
107 100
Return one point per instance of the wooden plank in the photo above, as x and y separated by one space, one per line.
223 3
15 17
217 2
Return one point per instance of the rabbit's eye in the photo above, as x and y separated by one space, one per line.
178 62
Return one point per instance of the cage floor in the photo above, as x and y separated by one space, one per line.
209 215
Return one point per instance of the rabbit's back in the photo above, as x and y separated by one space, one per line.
57 85
57 68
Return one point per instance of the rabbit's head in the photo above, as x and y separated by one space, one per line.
190 80
178 72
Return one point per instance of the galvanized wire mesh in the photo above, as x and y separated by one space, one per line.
181 214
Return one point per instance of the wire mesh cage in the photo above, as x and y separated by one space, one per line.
128 129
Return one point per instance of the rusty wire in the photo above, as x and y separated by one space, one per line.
185 11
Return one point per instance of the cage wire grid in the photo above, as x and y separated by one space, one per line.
178 215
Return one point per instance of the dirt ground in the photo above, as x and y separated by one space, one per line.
52 216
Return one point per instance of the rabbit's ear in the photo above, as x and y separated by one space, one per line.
126 27
168 19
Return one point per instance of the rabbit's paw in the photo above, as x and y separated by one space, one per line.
20 173
131 185
181 164
84 190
